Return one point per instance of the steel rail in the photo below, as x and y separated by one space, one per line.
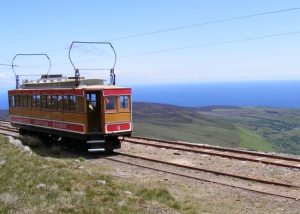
8 133
216 148
195 178
7 121
210 171
203 179
131 140
8 129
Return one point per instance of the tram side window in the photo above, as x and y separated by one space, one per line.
43 101
29 100
12 101
24 101
33 100
54 101
21 98
49 102
38 101
17 100
66 106
124 102
110 102
72 103
60 102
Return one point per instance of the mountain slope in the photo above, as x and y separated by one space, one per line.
259 128
192 125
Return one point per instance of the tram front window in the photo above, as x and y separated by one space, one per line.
110 103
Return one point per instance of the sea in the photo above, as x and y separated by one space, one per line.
284 94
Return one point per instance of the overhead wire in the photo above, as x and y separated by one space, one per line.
5 64
192 46
191 26
214 44
5 58
203 23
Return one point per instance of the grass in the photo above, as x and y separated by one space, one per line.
30 183
250 139
159 194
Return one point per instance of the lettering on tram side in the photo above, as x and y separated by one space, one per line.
41 123
59 125
21 120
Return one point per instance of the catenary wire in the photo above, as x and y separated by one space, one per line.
5 64
191 47
191 26
213 44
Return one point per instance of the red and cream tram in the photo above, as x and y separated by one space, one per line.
76 108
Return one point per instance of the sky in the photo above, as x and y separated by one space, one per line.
49 27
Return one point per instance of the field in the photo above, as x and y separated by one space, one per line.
257 128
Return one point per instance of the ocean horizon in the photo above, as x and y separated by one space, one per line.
281 94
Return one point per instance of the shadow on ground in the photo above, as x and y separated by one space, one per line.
63 149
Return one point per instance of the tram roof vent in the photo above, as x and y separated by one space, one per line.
59 81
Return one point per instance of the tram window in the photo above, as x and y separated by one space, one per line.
91 99
72 102
24 101
12 101
43 101
110 102
49 102
79 104
54 101
21 98
60 103
17 99
124 102
66 103
28 101
38 101
33 101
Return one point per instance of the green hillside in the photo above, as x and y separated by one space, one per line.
263 129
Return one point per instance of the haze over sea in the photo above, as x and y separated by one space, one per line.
273 94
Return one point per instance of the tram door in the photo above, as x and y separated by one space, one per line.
93 111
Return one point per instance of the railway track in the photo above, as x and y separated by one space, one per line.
6 130
264 182
218 151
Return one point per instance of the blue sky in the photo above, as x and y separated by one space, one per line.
43 26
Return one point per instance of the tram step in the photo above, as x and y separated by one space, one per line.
95 141
96 150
